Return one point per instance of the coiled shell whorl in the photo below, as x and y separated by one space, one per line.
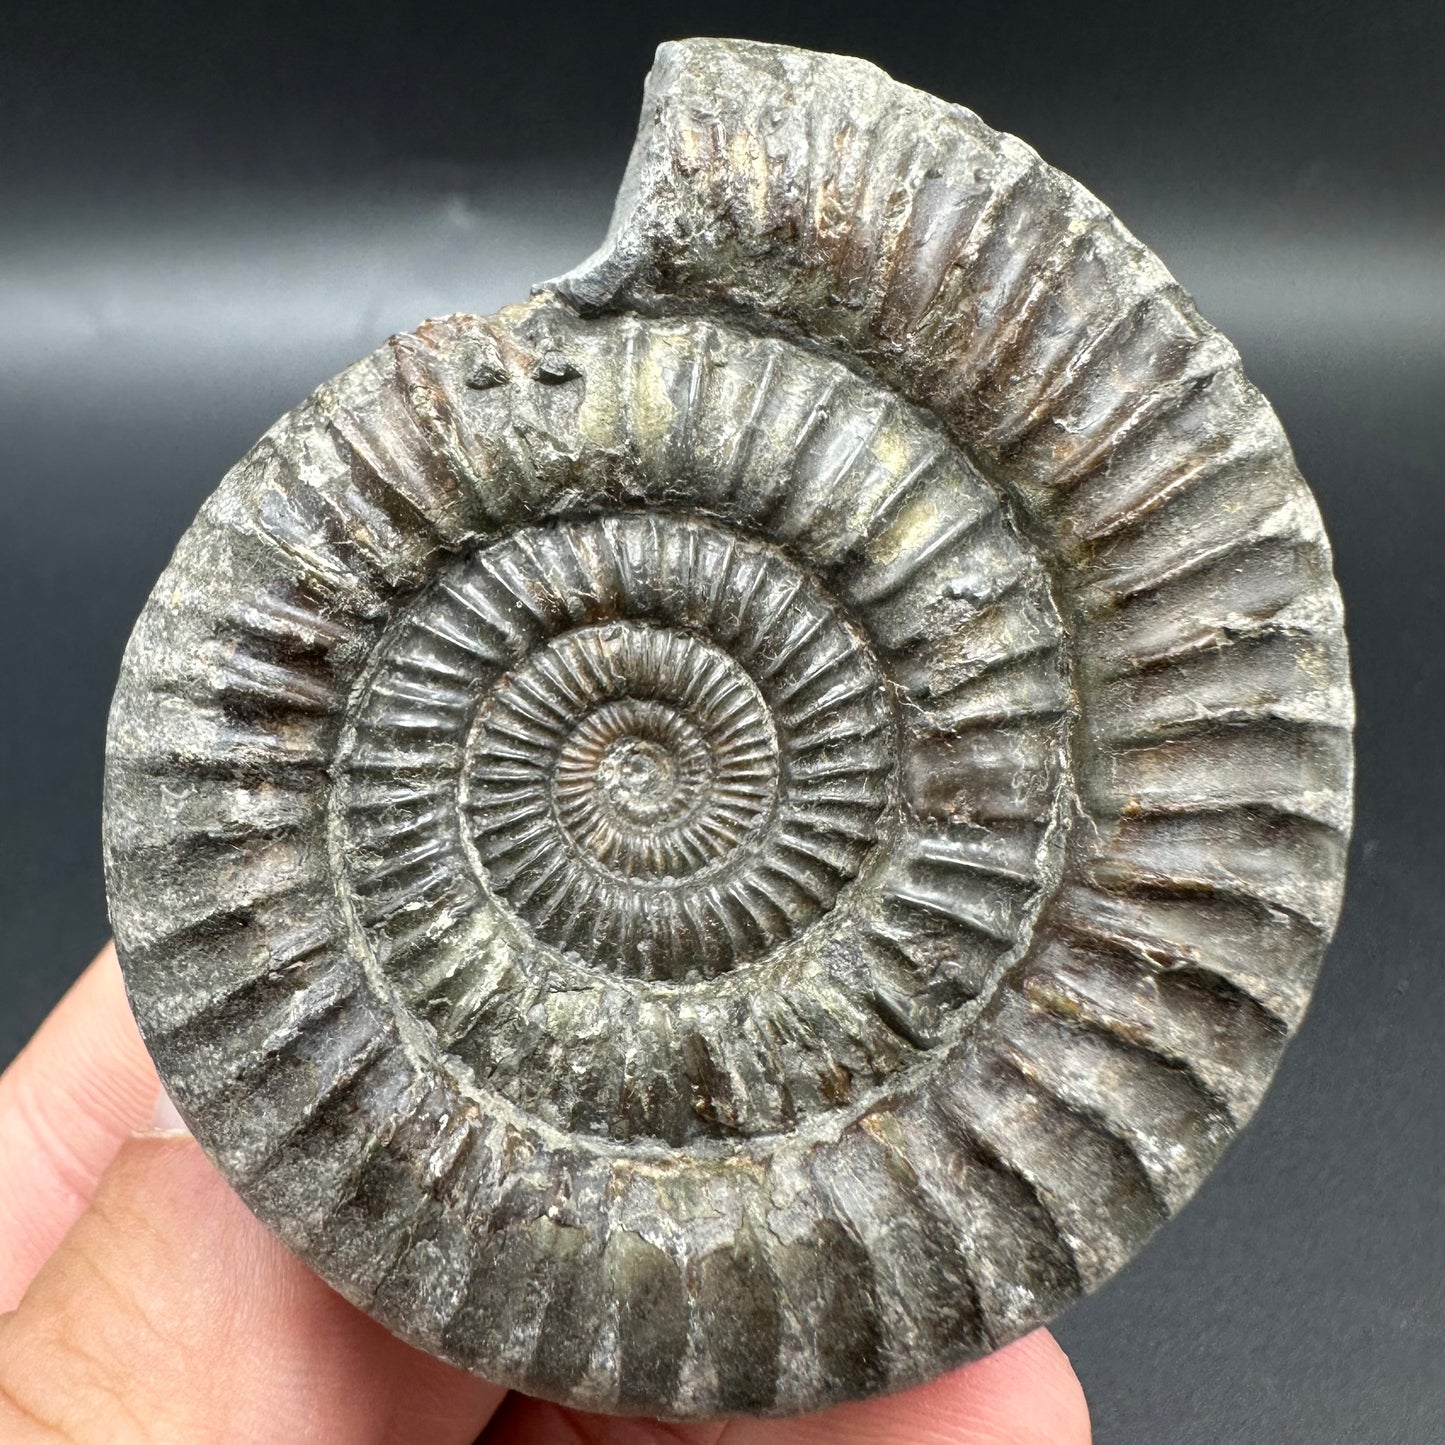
738 834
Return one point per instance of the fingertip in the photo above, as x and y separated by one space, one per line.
1023 1394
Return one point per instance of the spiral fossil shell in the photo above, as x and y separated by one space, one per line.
738 834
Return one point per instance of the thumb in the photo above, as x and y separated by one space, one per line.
168 1314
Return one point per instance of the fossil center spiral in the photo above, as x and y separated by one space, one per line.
670 749
639 778
651 748
636 776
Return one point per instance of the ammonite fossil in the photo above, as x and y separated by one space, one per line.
737 834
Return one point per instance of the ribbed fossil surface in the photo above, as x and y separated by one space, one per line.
738 834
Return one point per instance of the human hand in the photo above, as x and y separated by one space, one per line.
149 1306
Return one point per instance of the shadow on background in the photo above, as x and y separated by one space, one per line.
205 214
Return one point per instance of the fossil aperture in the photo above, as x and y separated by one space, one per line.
737 834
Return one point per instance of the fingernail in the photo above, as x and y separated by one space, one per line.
165 1118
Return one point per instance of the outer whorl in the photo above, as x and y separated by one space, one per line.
736 835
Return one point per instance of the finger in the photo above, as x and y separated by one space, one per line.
168 1313
73 1095
1024 1394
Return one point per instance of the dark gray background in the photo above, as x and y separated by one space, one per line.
206 210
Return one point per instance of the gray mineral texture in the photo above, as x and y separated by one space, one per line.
738 834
